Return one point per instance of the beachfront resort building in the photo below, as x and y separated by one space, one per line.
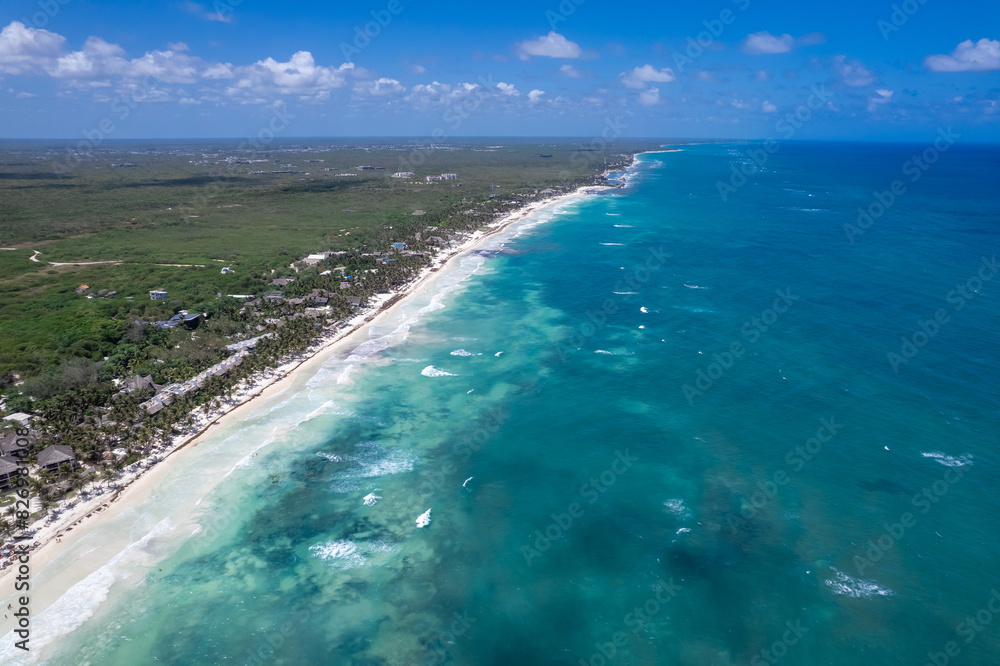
9 471
55 456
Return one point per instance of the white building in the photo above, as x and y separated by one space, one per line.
403 174
158 295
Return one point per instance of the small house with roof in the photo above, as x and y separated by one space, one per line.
55 456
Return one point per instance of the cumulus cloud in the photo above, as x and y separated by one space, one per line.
765 42
649 97
852 73
508 89
189 100
768 107
25 50
552 45
535 95
981 56
640 76
440 94
299 76
382 87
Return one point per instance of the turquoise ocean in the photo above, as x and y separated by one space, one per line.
680 423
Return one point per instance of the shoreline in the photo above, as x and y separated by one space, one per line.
129 486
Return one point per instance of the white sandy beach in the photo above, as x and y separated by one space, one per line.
137 485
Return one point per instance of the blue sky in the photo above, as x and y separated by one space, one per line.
723 69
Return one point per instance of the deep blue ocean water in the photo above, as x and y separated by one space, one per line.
660 427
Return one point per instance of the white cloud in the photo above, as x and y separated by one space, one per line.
761 75
640 76
189 100
535 95
552 45
25 50
220 17
178 46
508 89
218 70
571 71
24 95
765 42
880 97
980 56
380 87
852 72
418 69
299 76
768 107
707 77
649 97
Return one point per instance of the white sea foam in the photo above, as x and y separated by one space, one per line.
424 519
693 286
683 530
677 508
371 498
612 243
462 352
342 554
614 215
624 226
948 461
368 462
345 376
644 310
80 602
431 371
625 293
464 339
841 583
329 456
602 351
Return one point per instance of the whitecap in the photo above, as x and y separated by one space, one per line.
693 286
612 243
431 371
948 461
329 456
461 352
602 351
424 519
371 498
498 354
625 293
624 226
855 587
